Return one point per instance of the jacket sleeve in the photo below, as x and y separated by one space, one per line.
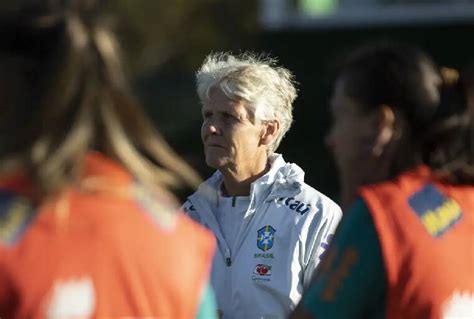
320 236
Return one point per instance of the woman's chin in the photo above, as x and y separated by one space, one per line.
215 163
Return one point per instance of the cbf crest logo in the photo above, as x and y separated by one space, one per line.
265 236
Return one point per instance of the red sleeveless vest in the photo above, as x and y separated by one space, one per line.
426 232
112 253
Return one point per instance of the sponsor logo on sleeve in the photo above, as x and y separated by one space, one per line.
295 205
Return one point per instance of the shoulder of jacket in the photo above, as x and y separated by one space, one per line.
188 206
206 191
310 201
315 197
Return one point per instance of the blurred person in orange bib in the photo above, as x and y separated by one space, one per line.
403 142
88 224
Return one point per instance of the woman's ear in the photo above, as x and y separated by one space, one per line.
270 132
386 129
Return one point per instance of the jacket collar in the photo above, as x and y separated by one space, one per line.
282 180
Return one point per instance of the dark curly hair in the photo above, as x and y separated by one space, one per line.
433 100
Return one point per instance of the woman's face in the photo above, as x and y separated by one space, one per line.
229 136
351 139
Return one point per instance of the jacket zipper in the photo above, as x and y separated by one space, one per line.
228 260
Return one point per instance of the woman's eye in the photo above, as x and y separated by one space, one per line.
228 116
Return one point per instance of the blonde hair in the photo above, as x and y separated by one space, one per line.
268 90
83 104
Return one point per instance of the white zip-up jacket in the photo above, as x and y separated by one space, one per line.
286 229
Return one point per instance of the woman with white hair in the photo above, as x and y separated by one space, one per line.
271 227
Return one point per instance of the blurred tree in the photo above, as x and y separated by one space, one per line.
164 42
182 31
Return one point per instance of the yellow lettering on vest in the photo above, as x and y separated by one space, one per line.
438 220
431 222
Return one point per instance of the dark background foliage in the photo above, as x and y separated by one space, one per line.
165 42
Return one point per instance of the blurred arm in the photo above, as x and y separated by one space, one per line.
207 309
351 281
323 238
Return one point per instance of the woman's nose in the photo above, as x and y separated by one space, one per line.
210 128
213 129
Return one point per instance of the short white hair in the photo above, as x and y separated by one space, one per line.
268 90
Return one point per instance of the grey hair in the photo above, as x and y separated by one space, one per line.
268 90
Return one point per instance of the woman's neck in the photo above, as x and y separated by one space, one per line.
237 182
